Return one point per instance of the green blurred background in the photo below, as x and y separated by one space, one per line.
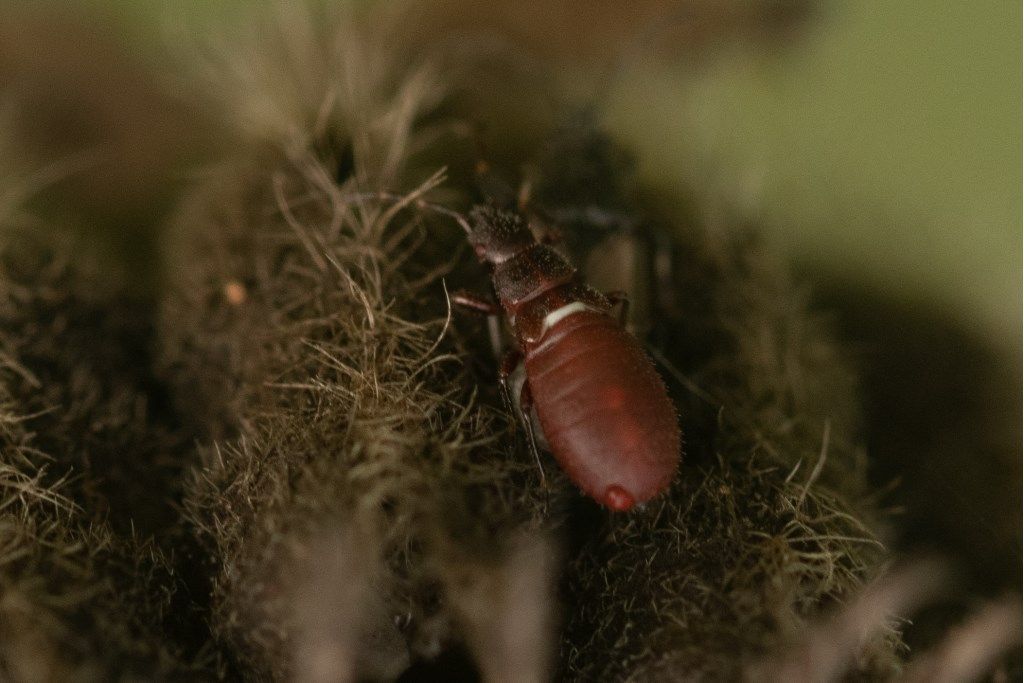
882 144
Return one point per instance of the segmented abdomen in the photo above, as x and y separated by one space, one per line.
604 410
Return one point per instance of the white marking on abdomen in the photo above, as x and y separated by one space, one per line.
552 318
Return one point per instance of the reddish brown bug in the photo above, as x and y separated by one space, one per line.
602 406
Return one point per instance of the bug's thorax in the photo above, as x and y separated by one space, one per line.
536 286
535 319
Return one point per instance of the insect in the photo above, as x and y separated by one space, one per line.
602 407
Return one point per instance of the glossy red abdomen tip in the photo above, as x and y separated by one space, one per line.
618 499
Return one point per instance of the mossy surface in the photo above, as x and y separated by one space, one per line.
87 595
307 329
286 456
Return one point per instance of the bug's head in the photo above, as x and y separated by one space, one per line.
497 235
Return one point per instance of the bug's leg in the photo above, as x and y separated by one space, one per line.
509 364
494 332
621 299
525 408
525 193
551 235
663 275
542 225
475 302
484 306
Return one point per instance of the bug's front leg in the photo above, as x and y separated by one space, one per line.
475 302
620 298
486 306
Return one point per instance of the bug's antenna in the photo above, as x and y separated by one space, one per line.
419 203
444 211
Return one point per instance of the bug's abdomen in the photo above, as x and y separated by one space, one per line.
604 410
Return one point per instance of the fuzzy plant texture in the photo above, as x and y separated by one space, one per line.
362 500
84 459
291 459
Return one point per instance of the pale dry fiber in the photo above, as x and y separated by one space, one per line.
974 649
828 651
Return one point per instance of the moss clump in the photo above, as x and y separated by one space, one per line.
357 440
79 600
308 335
84 476
84 342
